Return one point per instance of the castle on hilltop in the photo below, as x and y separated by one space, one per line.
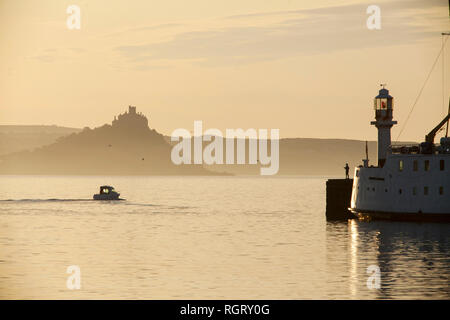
130 119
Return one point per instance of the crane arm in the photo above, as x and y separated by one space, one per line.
430 136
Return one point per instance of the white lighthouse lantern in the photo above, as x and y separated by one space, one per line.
383 105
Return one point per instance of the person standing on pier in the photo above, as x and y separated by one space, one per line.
347 168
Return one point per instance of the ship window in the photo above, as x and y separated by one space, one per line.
442 165
415 165
400 165
427 165
414 191
441 190
357 173
425 190
400 191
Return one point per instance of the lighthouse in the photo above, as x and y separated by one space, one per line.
383 105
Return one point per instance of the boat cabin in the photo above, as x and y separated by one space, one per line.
106 189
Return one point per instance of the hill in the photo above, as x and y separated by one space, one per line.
307 156
20 138
128 146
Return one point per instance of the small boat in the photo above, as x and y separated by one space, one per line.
107 193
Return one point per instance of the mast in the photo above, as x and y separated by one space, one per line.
443 73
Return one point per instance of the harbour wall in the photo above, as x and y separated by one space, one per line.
339 193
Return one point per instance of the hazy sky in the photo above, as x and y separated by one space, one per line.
309 68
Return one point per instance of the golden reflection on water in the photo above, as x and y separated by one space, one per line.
206 238
353 283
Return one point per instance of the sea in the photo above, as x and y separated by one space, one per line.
233 237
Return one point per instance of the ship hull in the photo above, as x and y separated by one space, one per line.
409 187
106 197
401 216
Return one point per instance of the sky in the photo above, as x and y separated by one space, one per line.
308 68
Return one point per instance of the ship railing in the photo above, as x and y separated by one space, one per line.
415 149
405 148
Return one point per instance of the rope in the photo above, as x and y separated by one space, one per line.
423 86
443 75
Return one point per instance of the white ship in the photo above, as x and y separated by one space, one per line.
410 182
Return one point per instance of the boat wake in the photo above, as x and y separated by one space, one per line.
44 200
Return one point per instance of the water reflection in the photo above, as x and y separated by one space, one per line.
353 232
414 259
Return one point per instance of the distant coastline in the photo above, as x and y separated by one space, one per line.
128 146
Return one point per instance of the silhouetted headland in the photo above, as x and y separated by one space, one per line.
128 146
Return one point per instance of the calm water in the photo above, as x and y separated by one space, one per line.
206 237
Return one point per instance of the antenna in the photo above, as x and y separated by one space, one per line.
367 152
366 160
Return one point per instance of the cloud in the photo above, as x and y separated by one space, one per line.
47 55
347 9
51 55
145 28
77 50
301 32
145 67
47 58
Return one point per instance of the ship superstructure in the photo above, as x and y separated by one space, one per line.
410 182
